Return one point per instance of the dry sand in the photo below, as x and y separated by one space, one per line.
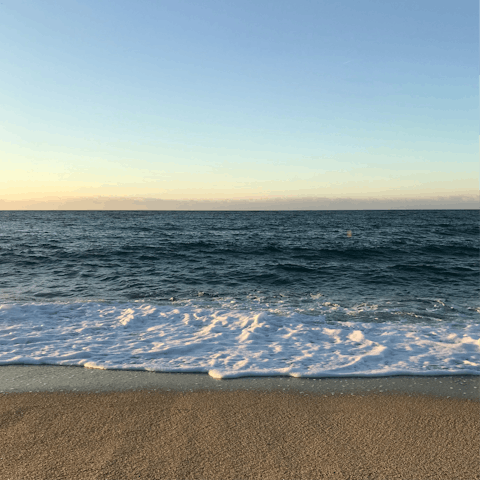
237 435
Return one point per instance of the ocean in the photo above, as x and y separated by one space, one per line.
231 294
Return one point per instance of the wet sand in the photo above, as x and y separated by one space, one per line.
235 431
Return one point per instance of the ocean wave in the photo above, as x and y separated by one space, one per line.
228 342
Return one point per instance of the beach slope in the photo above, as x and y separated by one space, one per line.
238 433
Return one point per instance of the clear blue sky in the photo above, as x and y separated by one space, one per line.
238 99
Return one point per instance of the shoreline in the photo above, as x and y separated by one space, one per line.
232 435
80 424
50 378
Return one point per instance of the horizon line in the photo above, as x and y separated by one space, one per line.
137 203
248 211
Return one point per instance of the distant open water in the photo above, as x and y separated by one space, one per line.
243 293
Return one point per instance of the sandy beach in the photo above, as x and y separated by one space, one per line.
237 432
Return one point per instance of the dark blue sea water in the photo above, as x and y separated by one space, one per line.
154 256
397 266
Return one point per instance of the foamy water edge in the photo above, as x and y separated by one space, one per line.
230 342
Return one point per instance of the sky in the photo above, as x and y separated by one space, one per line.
239 104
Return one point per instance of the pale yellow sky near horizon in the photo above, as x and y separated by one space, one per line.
277 203
43 174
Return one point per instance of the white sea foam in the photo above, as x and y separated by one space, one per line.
231 342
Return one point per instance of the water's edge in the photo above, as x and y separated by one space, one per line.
21 379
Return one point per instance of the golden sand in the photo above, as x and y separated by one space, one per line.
237 435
